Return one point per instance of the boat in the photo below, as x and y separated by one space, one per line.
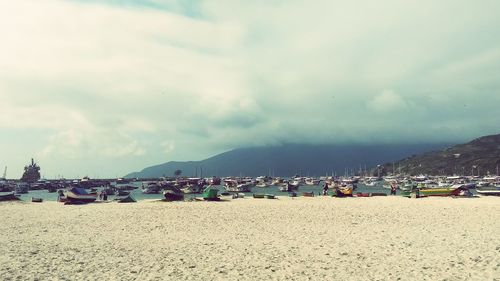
232 185
9 197
311 181
455 190
173 194
78 195
270 196
31 173
125 199
308 194
210 194
120 192
22 188
258 195
36 199
150 188
288 187
344 191
226 196
370 194
489 191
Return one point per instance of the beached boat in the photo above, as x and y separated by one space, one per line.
489 191
259 195
308 194
210 194
173 194
78 195
270 196
344 191
9 197
36 199
455 190
125 199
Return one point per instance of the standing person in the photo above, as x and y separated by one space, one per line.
393 188
105 196
325 188
100 195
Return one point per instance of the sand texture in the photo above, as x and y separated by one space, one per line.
321 238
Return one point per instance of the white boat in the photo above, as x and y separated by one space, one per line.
311 181
489 191
232 185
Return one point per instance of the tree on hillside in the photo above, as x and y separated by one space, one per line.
177 173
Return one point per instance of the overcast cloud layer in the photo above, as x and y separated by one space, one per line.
103 88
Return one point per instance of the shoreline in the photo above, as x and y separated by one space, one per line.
382 238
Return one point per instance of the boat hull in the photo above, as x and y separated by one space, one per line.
488 192
79 195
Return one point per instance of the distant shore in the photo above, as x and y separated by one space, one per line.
321 238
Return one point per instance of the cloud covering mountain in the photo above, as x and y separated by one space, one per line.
101 88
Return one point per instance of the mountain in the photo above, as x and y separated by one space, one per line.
478 157
290 159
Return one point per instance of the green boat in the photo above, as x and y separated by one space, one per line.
211 194
258 195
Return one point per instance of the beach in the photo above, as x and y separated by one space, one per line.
319 238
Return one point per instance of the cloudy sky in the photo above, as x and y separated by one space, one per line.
103 88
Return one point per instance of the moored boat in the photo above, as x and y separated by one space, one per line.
150 188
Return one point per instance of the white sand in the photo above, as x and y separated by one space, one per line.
325 238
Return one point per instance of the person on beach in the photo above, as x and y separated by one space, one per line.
105 196
325 188
100 195
393 188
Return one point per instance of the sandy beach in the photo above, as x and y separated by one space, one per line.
321 238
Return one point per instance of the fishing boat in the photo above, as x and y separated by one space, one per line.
78 195
258 195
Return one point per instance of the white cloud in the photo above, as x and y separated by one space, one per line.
103 81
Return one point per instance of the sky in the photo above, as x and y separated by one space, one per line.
103 88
